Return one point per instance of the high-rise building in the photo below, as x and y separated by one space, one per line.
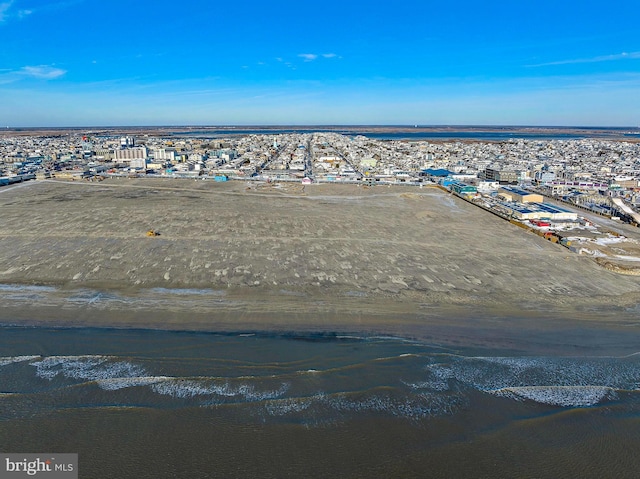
127 142
131 154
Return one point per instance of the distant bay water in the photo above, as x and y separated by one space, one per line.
420 134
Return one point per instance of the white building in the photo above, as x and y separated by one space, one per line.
128 154
165 154
488 186
139 163
127 142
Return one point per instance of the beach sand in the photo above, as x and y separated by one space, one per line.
236 256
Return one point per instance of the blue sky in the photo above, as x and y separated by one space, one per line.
195 62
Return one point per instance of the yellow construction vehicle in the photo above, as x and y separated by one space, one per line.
153 233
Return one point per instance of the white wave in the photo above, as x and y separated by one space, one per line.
427 405
566 396
421 406
389 358
515 363
16 359
441 371
286 406
181 388
341 402
187 388
434 385
393 338
566 382
489 374
87 367
113 384
320 405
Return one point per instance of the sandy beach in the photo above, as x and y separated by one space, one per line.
236 256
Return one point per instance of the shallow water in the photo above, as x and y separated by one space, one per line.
161 404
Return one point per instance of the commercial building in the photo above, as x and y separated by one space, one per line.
139 163
511 193
166 154
531 211
128 154
504 177
463 189
127 142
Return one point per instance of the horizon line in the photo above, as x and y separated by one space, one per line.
311 126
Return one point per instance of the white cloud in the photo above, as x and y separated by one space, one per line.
308 57
43 72
6 15
4 8
603 58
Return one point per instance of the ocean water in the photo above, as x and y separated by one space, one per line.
176 404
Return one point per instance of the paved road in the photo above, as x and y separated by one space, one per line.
614 225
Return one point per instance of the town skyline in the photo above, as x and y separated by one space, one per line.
77 63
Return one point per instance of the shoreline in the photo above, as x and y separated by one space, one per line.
612 330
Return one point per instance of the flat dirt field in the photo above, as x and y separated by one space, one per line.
234 256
